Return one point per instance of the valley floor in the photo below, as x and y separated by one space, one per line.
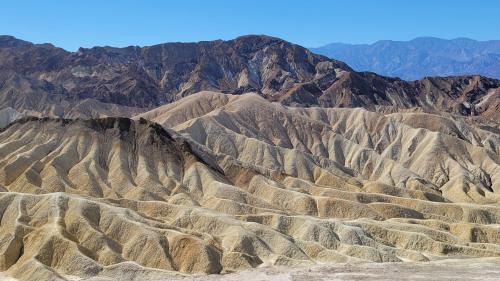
484 269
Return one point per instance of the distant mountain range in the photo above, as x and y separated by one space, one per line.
420 57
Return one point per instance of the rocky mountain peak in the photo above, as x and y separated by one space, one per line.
146 77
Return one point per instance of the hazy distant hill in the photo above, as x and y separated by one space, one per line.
420 57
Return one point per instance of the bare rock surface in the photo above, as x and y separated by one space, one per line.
225 183
409 150
50 81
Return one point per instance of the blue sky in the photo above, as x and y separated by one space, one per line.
71 24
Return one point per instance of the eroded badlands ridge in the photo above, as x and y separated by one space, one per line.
234 182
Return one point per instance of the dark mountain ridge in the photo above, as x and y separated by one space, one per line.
39 77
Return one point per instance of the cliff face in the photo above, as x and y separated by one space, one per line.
37 76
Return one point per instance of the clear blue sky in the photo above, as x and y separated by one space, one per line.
71 23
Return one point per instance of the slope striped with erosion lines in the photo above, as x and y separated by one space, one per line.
421 151
233 182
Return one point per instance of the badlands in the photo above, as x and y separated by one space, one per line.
246 159
218 183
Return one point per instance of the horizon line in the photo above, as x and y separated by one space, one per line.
262 35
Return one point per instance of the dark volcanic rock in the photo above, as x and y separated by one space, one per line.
34 76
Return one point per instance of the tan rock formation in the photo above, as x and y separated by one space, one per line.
235 182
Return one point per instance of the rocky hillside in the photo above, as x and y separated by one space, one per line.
50 81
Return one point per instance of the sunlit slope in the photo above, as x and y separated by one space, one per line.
412 151
234 182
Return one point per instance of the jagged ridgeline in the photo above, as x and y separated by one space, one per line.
104 81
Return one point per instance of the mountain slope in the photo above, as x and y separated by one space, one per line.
408 150
299 161
420 57
218 193
50 81
158 74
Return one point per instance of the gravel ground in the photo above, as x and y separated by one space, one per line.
487 269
